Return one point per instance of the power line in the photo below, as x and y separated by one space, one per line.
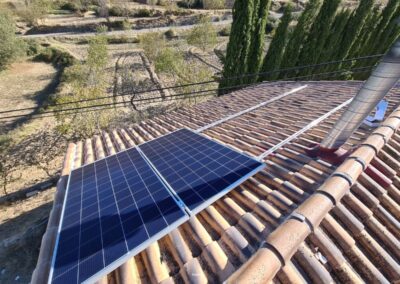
174 97
188 95
202 83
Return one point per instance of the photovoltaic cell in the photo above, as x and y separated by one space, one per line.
113 209
198 169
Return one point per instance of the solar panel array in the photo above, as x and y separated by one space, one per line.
114 208
198 169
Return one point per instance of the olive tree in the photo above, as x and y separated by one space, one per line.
10 45
88 82
203 35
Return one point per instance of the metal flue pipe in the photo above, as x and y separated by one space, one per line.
382 79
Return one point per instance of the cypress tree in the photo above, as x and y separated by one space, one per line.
391 33
384 35
299 35
258 38
273 58
352 32
318 35
391 10
239 43
333 42
356 23
366 32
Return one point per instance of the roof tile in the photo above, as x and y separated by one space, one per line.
230 232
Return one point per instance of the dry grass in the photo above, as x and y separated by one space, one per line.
24 85
21 229
20 83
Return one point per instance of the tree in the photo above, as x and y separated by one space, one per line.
35 150
87 81
7 163
333 42
152 44
299 36
10 45
381 37
239 44
354 26
273 59
391 10
213 4
258 38
35 11
203 35
318 35
366 32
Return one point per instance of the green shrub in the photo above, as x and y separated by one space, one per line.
152 44
270 27
10 46
226 31
203 35
168 60
34 11
116 11
32 47
101 29
189 4
55 56
143 13
213 4
70 6
170 34
126 25
122 40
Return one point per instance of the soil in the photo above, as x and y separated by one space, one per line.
21 228
25 84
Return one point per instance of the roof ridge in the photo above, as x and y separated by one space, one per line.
284 241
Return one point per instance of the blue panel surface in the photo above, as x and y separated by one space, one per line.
113 209
198 169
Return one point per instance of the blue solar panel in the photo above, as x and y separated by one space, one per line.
198 169
113 209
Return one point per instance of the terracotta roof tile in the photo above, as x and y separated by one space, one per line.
279 225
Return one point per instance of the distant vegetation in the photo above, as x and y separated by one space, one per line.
34 11
87 81
205 4
10 46
203 35
171 60
324 32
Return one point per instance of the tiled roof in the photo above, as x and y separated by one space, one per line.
299 220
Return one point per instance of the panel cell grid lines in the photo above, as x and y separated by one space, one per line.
116 207
198 169
113 209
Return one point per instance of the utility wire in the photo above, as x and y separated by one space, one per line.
187 95
203 83
173 97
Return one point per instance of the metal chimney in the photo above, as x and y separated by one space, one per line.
383 78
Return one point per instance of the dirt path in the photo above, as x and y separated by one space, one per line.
126 33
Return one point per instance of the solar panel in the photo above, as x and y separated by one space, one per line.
198 169
116 207
113 209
